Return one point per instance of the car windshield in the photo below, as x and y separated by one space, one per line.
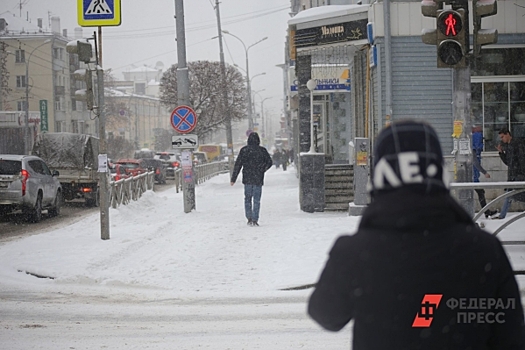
130 165
164 156
10 167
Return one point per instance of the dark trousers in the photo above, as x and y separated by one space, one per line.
481 197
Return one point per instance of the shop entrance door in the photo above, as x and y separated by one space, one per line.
322 126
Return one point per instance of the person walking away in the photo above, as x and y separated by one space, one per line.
276 157
418 267
477 148
284 159
254 160
512 153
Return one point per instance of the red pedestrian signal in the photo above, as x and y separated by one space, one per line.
450 23
451 38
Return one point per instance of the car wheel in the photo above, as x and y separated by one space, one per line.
94 202
35 214
55 210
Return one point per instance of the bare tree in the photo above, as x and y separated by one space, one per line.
206 94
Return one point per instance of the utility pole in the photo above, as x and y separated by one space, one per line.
225 109
103 147
183 98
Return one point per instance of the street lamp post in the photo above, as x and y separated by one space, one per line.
26 118
224 109
248 87
262 117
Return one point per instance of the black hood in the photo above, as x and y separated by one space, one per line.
253 139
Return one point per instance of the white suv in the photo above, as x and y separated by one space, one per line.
27 184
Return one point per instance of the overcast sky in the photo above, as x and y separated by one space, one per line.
147 35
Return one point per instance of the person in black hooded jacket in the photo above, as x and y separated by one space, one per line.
254 161
418 274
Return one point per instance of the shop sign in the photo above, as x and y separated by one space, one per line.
328 78
334 33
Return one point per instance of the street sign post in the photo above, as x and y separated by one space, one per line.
96 13
183 119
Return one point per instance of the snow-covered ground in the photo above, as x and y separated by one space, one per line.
199 280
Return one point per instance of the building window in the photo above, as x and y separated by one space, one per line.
140 88
20 56
21 106
74 126
498 103
20 81
58 53
505 61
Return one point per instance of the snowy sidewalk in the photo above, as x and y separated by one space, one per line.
157 249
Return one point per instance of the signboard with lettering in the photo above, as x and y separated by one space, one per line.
329 78
334 33
44 126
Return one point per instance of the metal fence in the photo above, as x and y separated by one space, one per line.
125 190
511 189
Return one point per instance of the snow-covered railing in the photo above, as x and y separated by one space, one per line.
206 171
132 188
516 186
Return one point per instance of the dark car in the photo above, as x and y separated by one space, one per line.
143 153
171 162
158 167
27 184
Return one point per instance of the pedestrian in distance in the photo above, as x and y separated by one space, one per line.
512 153
419 273
284 159
254 160
477 148
277 157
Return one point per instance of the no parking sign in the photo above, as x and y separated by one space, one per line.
183 119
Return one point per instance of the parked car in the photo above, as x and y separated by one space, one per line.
200 158
133 167
171 162
118 172
156 165
27 184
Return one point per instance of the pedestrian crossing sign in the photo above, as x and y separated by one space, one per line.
98 13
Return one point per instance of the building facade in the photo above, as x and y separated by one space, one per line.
394 75
36 78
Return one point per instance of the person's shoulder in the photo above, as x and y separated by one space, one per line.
343 244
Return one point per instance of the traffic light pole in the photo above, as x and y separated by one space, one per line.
462 136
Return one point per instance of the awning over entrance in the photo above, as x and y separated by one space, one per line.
330 14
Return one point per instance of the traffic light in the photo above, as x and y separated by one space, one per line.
429 8
452 38
86 94
480 9
83 49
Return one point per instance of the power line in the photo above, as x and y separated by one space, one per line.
171 31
